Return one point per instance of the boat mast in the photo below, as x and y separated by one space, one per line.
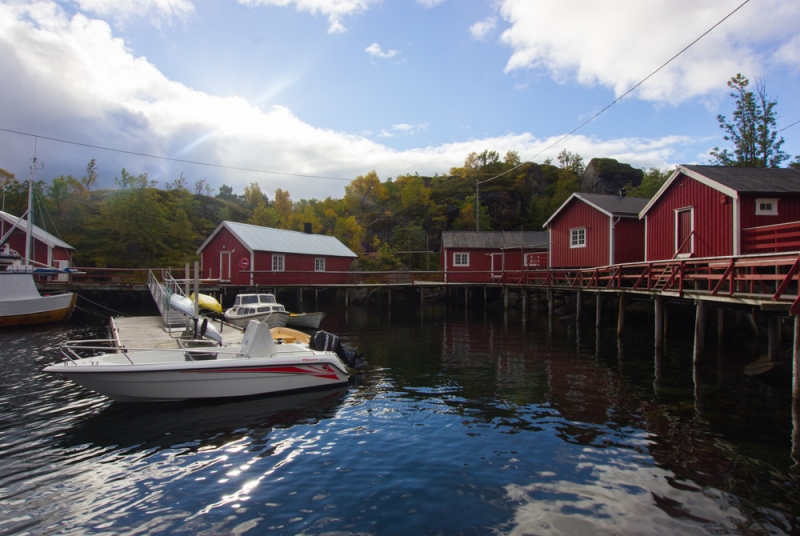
29 230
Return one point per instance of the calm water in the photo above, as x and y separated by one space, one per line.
458 425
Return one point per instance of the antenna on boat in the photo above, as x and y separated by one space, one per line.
35 164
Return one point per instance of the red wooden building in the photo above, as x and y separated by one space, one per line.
596 230
483 256
711 211
250 255
47 249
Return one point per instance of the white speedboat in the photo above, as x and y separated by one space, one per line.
260 307
305 320
264 363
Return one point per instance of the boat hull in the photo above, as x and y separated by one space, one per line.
305 320
42 310
203 380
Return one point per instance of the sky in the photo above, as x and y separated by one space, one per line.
306 95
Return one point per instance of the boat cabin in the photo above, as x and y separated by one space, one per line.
257 303
712 211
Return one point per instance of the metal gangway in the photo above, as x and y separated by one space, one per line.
161 293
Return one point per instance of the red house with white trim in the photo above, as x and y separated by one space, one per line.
47 249
596 230
251 255
712 211
484 256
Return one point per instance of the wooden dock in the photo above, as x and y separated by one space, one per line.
148 332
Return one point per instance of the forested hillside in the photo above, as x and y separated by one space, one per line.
136 224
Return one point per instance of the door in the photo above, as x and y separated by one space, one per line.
684 241
225 265
62 265
497 265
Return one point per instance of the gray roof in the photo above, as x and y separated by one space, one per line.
495 239
38 233
611 205
615 204
257 238
743 179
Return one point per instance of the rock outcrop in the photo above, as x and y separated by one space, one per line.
607 176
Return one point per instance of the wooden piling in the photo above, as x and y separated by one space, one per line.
505 298
485 298
699 330
578 307
550 303
466 298
524 295
796 359
346 298
720 327
659 318
774 338
421 297
598 318
389 289
621 314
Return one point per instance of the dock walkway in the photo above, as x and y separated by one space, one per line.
147 332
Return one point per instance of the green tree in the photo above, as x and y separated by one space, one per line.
752 131
350 233
253 197
572 162
652 181
363 195
265 217
90 178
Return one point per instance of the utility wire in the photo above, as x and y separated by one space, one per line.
169 159
687 47
793 124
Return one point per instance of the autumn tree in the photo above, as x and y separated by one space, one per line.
283 204
253 196
363 196
752 131
89 180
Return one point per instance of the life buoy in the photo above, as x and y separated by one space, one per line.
244 263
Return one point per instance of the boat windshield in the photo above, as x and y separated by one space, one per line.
267 298
280 308
249 299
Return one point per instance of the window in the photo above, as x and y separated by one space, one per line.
460 259
277 263
766 207
319 264
577 237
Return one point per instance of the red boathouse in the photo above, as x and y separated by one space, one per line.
47 249
712 211
244 254
596 230
483 256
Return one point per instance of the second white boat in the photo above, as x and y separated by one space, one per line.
260 307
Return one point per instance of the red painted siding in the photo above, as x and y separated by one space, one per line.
297 269
712 219
579 214
788 210
628 240
480 269
17 242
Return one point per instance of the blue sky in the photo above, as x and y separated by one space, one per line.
336 88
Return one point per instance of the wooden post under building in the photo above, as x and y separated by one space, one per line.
699 330
621 315
659 318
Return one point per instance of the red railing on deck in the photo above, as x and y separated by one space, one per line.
772 238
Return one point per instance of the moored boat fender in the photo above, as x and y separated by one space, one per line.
324 341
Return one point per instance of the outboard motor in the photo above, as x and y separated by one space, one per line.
328 342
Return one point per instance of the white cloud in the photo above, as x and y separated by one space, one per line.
70 78
335 10
123 9
374 50
483 28
429 3
616 44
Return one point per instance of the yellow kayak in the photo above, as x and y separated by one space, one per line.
207 302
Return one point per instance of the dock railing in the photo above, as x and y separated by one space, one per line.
161 293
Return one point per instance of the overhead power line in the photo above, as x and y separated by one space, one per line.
687 47
793 124
169 159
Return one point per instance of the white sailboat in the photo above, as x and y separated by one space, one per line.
20 300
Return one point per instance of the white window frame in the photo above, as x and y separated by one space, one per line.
462 257
319 264
766 212
577 237
278 263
